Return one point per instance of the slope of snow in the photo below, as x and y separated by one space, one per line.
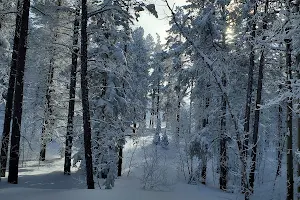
124 189
45 181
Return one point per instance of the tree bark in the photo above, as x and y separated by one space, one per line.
69 136
10 92
204 165
151 124
18 98
48 117
191 106
280 143
120 161
223 148
203 174
178 118
256 123
85 98
297 5
158 119
250 84
204 124
223 137
245 143
290 178
48 111
289 121
257 104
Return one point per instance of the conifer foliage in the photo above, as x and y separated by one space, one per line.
220 93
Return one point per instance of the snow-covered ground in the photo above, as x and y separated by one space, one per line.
43 181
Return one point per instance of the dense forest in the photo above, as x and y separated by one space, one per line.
217 102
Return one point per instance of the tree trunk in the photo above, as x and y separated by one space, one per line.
203 173
151 125
204 165
134 119
297 5
69 136
289 121
248 100
158 119
290 178
134 128
204 124
298 127
48 116
250 84
223 137
190 108
280 143
244 182
99 136
178 119
48 111
256 122
120 161
18 98
223 149
10 93
85 98
257 105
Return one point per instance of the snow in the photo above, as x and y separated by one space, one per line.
46 180
123 190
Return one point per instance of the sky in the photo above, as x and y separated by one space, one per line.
158 25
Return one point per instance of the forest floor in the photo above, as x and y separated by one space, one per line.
46 180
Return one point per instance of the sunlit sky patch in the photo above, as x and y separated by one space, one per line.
158 25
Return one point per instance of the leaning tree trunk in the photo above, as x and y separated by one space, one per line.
18 97
10 93
85 98
257 105
69 136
